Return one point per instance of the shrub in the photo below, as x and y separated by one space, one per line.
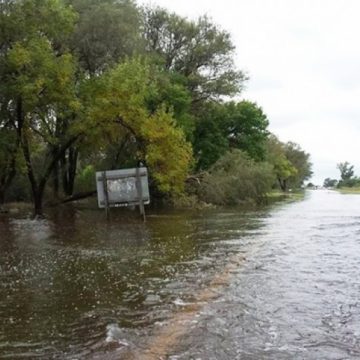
235 179
85 181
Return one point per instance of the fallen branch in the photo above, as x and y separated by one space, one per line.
75 197
196 178
79 196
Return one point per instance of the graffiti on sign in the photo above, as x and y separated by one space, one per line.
122 187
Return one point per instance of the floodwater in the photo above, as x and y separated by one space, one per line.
278 283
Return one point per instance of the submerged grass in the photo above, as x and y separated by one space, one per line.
277 195
183 202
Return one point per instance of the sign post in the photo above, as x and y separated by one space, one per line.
125 187
106 194
140 194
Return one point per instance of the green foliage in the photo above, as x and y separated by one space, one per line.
350 183
22 20
284 169
348 179
346 170
89 84
44 80
19 189
235 178
10 160
301 161
31 66
170 92
120 110
37 83
291 164
210 140
168 154
198 50
230 125
330 183
85 181
247 128
106 32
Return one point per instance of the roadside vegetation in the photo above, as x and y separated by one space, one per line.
88 85
348 182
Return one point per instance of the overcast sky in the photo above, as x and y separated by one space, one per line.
303 59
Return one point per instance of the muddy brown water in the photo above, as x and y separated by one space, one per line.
278 283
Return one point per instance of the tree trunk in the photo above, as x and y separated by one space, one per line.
38 183
68 169
37 197
37 194
2 201
64 178
283 184
73 157
6 181
37 190
55 176
38 201
79 196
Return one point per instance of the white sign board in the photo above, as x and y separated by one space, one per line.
124 187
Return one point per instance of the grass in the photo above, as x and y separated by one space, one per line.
349 190
297 194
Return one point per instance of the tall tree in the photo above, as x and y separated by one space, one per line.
346 170
230 125
9 159
282 166
347 174
37 84
117 108
291 164
210 137
330 183
301 161
9 143
246 127
106 32
198 50
170 91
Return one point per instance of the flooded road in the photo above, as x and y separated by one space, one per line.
280 283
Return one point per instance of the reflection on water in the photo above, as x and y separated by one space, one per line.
74 286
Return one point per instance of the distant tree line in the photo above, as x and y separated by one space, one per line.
88 85
347 177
